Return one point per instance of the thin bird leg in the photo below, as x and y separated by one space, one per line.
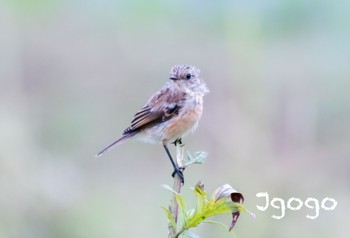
177 170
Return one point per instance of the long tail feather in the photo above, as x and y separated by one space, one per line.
114 144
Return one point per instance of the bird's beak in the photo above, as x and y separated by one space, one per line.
172 77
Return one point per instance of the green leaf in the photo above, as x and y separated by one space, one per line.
221 206
190 212
200 212
167 187
199 157
170 218
216 223
225 200
182 216
201 197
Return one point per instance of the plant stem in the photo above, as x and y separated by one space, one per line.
174 207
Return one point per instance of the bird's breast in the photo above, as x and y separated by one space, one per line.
186 121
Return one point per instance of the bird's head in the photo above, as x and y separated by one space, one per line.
187 77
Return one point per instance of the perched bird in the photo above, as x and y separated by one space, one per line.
170 114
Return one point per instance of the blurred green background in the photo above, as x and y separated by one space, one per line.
73 73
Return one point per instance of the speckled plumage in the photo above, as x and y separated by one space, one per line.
171 113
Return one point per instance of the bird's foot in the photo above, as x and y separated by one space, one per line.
179 172
178 141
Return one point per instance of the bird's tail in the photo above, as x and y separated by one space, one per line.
114 144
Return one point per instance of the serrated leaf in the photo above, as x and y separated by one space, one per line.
170 218
201 197
199 189
182 216
199 157
225 200
199 213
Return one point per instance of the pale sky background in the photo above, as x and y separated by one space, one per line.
73 73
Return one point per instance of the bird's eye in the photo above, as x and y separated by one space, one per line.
188 76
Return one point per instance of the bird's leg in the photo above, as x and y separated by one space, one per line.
176 142
177 170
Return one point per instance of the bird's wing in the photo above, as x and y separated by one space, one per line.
161 107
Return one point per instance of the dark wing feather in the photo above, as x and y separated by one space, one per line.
161 107
143 118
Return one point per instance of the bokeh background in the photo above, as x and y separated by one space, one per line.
74 72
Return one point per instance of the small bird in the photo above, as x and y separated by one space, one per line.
170 114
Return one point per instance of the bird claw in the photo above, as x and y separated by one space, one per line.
179 172
178 141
